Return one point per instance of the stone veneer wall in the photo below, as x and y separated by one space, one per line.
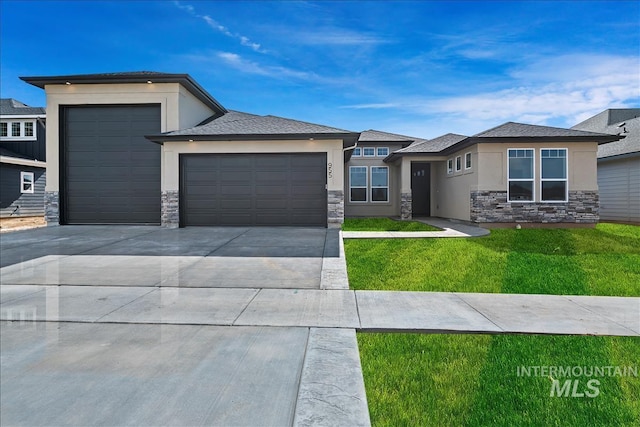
170 210
335 208
492 206
406 209
52 207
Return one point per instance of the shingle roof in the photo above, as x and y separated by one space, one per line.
239 124
433 145
625 122
12 107
372 135
131 77
520 130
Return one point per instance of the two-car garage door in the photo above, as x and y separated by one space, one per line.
253 189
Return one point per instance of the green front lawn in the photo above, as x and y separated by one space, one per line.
384 224
471 380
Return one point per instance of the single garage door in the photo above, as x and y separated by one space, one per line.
253 189
111 171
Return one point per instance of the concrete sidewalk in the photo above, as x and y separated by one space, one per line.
447 229
367 311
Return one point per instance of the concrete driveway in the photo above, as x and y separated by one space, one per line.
125 325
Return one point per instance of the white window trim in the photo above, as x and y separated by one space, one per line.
366 185
22 182
381 148
533 179
357 150
449 166
470 161
458 163
371 187
368 155
22 136
566 179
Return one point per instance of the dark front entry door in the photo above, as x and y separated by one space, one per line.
421 188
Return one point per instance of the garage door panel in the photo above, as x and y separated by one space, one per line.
107 154
254 189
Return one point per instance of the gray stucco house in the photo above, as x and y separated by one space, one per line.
22 159
148 147
618 163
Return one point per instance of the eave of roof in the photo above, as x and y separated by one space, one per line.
349 138
131 77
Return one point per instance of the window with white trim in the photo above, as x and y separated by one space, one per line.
458 163
28 128
382 151
520 175
23 129
15 129
357 183
369 152
553 175
26 182
450 166
467 161
379 183
357 152
4 129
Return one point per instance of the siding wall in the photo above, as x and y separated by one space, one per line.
619 184
33 149
13 203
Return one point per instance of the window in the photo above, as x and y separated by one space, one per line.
520 175
358 183
28 128
379 184
382 151
26 182
357 152
553 175
369 152
467 161
15 129
450 166
4 129
458 164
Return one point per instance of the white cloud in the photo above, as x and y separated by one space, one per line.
335 36
371 106
244 41
274 71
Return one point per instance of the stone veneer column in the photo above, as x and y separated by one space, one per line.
335 208
170 209
406 209
52 207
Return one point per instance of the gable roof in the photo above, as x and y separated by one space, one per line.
428 146
622 121
131 77
235 125
13 107
521 130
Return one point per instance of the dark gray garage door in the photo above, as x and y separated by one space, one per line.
111 173
253 189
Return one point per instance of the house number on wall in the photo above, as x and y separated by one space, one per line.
330 170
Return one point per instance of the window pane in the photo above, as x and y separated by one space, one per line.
379 177
383 151
358 194
357 152
521 190
520 167
449 165
358 176
15 129
458 163
554 164
28 129
369 152
467 160
3 129
554 190
379 194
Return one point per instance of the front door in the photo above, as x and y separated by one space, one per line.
421 188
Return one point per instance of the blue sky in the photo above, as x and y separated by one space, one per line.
418 68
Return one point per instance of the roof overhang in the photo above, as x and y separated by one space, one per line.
184 79
22 162
348 139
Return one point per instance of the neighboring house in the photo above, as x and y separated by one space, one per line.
213 166
618 163
22 159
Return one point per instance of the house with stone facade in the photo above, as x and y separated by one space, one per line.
157 148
